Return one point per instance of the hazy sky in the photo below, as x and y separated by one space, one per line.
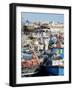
35 17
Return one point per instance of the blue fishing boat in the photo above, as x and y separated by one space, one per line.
58 67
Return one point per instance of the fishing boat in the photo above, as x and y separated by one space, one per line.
54 66
30 63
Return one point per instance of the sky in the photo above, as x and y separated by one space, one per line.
36 17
